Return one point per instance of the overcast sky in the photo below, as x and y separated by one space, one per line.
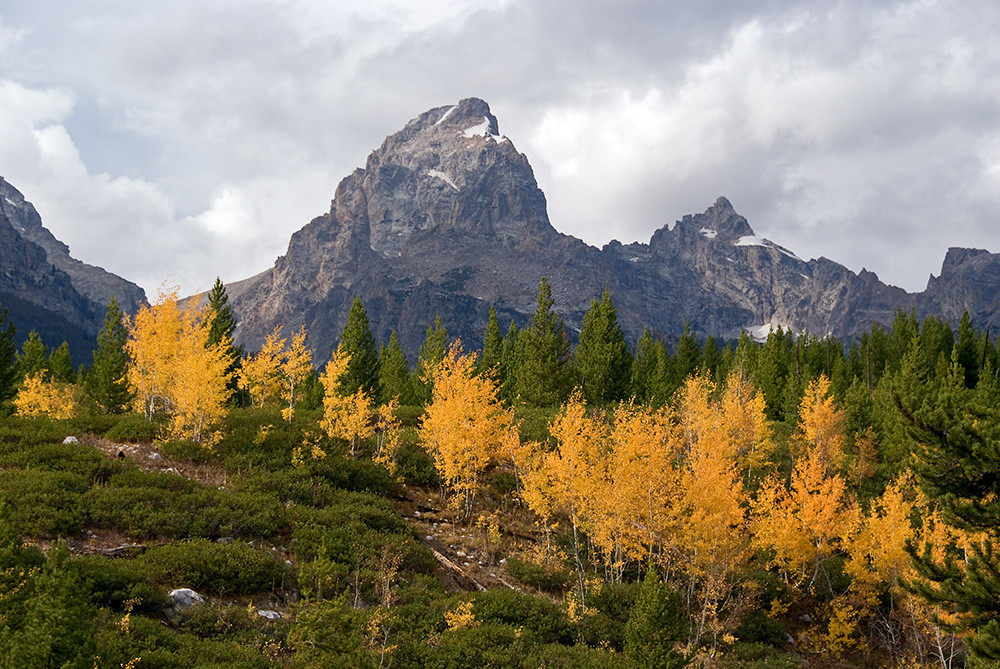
188 139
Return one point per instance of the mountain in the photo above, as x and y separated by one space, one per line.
44 289
446 218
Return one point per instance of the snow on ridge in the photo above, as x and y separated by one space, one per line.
443 177
9 201
759 333
709 233
754 240
482 130
446 114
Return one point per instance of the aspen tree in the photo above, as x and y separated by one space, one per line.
465 426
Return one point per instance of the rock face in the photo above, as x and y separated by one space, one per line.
446 218
45 289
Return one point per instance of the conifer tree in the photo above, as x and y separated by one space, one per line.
394 374
603 360
510 363
33 356
357 341
489 361
655 625
8 357
688 354
106 382
955 432
710 360
545 377
431 353
60 364
221 327
650 370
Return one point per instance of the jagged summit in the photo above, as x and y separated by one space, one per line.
446 219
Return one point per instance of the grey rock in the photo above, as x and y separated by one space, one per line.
71 440
183 598
269 615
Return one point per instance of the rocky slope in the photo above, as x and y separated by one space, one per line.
446 218
45 289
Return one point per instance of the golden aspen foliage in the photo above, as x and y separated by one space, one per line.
804 523
749 433
173 369
387 427
295 369
344 417
821 425
199 391
465 426
259 375
637 514
275 374
153 333
39 396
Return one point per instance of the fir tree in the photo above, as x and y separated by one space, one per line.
649 370
105 382
221 327
8 357
431 353
686 359
60 364
511 355
545 377
655 625
33 356
955 431
357 341
489 361
394 374
603 360
710 360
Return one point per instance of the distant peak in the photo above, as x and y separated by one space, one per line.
722 205
470 115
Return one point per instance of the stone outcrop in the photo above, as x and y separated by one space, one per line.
446 219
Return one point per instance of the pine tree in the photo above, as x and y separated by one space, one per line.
33 357
686 359
394 374
357 341
489 360
650 370
603 360
60 364
955 431
710 360
8 357
221 327
655 625
545 377
511 356
431 353
105 382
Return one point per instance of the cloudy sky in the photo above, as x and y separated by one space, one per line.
188 139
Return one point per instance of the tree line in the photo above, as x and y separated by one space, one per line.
854 484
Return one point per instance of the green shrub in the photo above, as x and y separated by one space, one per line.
216 568
415 466
43 503
537 576
112 582
547 620
355 475
133 428
758 656
758 627
187 451
410 415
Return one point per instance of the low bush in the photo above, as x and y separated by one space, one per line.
44 504
415 466
537 576
213 568
133 428
547 620
187 451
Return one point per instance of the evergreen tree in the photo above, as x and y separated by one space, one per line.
394 373
431 353
511 356
685 362
33 357
603 360
222 326
8 357
711 359
650 371
969 350
357 341
105 382
489 361
655 625
545 377
61 365
955 431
